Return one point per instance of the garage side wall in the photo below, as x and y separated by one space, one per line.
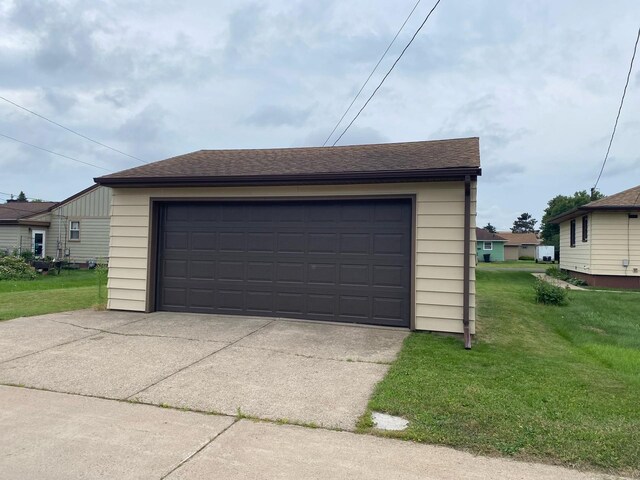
439 231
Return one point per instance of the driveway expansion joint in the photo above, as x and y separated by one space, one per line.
123 334
131 397
97 330
202 447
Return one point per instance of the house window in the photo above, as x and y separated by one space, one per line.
74 230
488 246
572 234
585 228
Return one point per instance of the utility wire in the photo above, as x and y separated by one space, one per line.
372 72
70 130
387 74
615 126
54 153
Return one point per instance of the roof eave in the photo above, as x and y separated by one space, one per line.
306 179
576 212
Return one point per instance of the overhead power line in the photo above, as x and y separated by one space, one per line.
372 72
71 130
54 153
387 74
615 125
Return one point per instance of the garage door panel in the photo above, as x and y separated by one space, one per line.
206 241
230 299
392 309
175 297
230 271
389 276
389 244
261 242
322 274
355 243
231 242
202 269
260 302
354 275
291 242
175 268
322 243
355 306
288 303
337 260
261 271
176 241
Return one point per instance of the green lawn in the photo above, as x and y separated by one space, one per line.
71 290
543 383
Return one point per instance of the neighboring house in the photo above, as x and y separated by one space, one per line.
19 231
371 234
600 241
519 245
491 244
76 228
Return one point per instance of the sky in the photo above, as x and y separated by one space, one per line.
539 81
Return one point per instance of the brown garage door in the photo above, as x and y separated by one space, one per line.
344 261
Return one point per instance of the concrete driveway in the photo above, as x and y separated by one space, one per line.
81 391
301 372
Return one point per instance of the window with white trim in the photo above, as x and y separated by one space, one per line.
488 246
74 230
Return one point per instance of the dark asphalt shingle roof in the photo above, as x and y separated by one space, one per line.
486 236
16 210
408 157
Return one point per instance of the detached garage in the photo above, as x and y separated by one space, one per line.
372 234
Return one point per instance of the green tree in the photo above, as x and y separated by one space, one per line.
525 223
560 204
21 197
490 228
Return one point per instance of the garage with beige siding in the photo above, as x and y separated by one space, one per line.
435 181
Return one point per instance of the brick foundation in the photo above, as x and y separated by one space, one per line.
608 281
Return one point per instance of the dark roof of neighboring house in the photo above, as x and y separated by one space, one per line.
519 238
356 163
487 236
625 200
14 211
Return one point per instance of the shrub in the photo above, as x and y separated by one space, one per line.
15 268
525 257
550 294
554 272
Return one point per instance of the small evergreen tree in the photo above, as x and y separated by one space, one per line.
21 197
525 223
490 228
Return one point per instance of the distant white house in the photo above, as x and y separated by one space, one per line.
76 228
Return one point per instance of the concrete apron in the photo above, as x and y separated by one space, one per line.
59 436
299 372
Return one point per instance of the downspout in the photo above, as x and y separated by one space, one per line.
466 308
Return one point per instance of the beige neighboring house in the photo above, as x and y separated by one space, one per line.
519 245
19 231
600 241
76 228
373 234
